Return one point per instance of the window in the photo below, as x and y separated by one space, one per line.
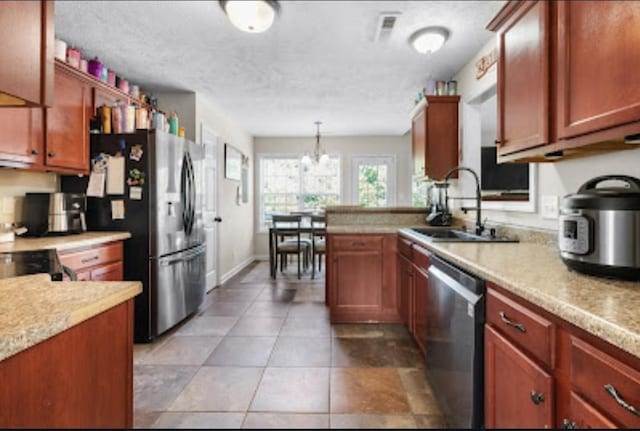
288 185
374 181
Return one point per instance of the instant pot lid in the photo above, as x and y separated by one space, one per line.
606 198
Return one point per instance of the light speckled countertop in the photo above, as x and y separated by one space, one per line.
64 242
377 228
40 308
605 308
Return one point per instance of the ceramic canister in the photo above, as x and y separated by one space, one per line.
95 68
84 66
73 57
60 50
111 78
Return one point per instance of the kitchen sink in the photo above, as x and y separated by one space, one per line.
458 235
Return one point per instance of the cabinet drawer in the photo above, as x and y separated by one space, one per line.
421 257
525 328
584 415
368 243
405 248
79 259
595 375
109 272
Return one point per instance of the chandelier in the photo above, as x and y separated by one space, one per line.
319 155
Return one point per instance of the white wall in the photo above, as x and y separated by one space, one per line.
346 147
184 104
557 179
14 183
237 227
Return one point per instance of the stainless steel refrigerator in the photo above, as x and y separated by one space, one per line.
163 200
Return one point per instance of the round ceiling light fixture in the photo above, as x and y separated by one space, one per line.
429 39
251 16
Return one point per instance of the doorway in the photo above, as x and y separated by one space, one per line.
210 139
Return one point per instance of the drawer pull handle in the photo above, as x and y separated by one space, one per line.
622 403
536 398
519 326
90 259
569 425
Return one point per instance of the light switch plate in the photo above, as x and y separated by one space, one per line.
550 206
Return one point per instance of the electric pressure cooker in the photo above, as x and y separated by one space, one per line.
599 232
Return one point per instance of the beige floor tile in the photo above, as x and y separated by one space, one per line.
286 421
242 352
268 309
199 420
367 390
293 390
225 309
251 326
182 351
144 420
301 352
430 421
208 326
306 327
222 389
342 421
420 395
156 386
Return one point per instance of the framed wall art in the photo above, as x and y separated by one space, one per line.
232 163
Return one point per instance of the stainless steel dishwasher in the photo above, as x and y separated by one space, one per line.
456 308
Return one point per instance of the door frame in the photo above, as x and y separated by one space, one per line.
208 136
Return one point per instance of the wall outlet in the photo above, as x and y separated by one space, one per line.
550 206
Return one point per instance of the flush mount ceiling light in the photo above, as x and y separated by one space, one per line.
429 39
251 16
319 155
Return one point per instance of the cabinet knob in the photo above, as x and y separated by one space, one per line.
35 152
51 154
497 142
536 397
569 425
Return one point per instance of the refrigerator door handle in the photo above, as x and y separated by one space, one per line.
182 257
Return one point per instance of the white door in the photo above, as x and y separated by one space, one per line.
373 181
211 218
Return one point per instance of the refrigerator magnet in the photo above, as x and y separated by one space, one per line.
136 177
117 210
136 152
135 193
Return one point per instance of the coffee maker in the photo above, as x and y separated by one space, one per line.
54 213
438 197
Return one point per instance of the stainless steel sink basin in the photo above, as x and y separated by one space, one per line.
457 235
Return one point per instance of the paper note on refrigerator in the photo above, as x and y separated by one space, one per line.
115 176
96 184
117 210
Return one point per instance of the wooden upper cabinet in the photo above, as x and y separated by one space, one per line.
26 58
523 77
596 66
21 137
67 137
434 134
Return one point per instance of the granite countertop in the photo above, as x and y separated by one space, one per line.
64 242
40 308
377 228
535 272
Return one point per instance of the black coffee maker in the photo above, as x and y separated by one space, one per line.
438 197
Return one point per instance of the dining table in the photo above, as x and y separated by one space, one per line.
305 228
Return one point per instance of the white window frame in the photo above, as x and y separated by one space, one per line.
261 227
377 159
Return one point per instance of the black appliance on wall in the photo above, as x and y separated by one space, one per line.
161 206
505 178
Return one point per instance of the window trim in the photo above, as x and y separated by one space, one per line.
389 160
262 228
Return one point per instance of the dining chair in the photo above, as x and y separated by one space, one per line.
286 235
317 242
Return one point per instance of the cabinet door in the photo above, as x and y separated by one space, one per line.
518 393
67 138
597 64
405 277
421 284
419 141
441 152
584 415
26 58
21 139
110 272
356 285
523 78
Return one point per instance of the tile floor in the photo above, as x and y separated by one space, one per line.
262 354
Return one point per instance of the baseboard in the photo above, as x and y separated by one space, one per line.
234 271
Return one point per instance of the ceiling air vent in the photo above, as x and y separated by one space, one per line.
386 22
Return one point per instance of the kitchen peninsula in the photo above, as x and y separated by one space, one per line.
66 348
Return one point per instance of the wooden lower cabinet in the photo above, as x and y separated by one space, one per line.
98 263
419 307
361 278
518 392
584 415
80 378
405 283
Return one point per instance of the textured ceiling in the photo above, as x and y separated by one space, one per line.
319 61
